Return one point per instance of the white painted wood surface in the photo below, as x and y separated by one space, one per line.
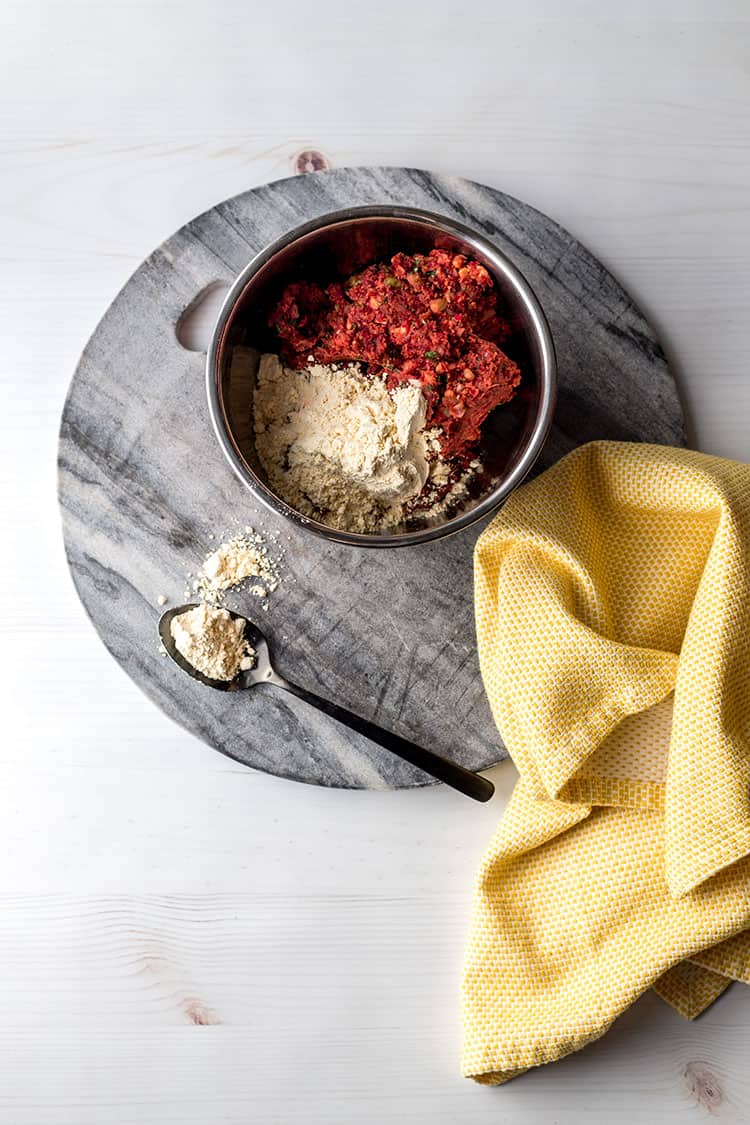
181 940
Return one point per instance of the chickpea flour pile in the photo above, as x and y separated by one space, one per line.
372 413
213 642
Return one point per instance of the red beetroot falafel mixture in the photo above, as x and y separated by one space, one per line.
431 317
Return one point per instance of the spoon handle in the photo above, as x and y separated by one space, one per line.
471 784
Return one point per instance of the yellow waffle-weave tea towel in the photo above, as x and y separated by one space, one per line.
613 624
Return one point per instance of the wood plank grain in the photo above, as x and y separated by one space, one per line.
211 1007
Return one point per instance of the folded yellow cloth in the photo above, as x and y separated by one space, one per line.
613 623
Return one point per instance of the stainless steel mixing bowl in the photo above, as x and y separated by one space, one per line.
339 244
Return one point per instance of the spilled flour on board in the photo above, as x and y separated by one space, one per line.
240 562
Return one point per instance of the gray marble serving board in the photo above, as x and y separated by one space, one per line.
143 486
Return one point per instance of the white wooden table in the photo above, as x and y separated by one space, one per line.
182 940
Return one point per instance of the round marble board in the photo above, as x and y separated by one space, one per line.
390 633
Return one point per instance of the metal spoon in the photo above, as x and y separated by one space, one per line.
472 784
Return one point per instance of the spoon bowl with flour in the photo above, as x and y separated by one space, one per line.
225 651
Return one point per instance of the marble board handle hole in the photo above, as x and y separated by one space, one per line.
196 323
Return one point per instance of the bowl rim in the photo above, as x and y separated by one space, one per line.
548 378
